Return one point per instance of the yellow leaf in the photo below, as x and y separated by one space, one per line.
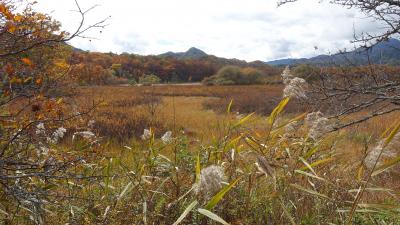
278 110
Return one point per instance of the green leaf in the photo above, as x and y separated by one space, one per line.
198 169
297 118
212 216
184 214
278 110
287 213
218 197
317 163
243 120
232 143
307 165
386 166
309 175
309 191
392 134
311 152
228 110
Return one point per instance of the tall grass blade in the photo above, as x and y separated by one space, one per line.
386 166
309 175
212 216
243 120
317 163
360 172
311 152
232 143
309 191
198 169
307 165
287 213
127 188
228 110
278 110
359 195
218 197
185 212
297 118
392 134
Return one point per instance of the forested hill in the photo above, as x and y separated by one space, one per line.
191 66
387 52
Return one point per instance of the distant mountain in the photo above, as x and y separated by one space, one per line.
387 52
192 53
200 56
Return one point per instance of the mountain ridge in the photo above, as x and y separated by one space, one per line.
387 52
192 53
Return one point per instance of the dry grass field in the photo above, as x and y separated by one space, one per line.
194 109
197 117
153 178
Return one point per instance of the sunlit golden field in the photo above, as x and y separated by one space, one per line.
198 114
195 138
314 181
150 179
195 110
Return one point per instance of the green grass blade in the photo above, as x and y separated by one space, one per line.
198 169
309 191
218 197
307 165
278 110
386 166
392 134
287 213
243 120
228 110
317 163
311 152
297 118
187 210
212 216
309 175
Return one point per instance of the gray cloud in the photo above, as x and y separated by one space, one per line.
250 30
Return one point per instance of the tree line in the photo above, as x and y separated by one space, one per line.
109 68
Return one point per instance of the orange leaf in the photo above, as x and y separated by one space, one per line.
6 12
27 61
9 69
39 81
11 27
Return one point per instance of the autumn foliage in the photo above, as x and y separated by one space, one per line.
109 68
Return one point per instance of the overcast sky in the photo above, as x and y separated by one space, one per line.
243 29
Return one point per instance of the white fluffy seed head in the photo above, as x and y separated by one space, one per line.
59 133
286 76
91 123
40 129
296 88
84 134
211 181
318 125
146 134
167 137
